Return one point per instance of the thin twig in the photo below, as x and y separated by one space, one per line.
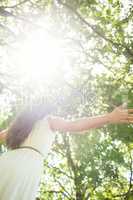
16 5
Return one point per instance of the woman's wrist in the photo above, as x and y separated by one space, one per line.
109 118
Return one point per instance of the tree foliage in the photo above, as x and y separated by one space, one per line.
98 38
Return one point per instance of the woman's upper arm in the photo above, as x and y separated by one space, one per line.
60 124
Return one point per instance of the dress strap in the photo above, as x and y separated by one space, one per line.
32 148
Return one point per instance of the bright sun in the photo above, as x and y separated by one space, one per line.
39 56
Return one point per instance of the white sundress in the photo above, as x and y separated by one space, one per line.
21 169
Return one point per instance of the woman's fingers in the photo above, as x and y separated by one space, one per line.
127 121
126 116
130 110
124 121
127 111
130 117
121 115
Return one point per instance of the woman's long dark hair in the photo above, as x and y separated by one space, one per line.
24 122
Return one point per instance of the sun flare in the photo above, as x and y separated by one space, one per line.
40 56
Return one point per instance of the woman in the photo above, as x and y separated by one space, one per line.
30 137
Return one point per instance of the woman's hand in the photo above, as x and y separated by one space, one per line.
121 115
3 135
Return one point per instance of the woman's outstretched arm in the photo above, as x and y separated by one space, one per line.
3 135
117 116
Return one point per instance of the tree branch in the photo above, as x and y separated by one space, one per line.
131 174
118 46
16 5
130 182
59 170
7 29
67 193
